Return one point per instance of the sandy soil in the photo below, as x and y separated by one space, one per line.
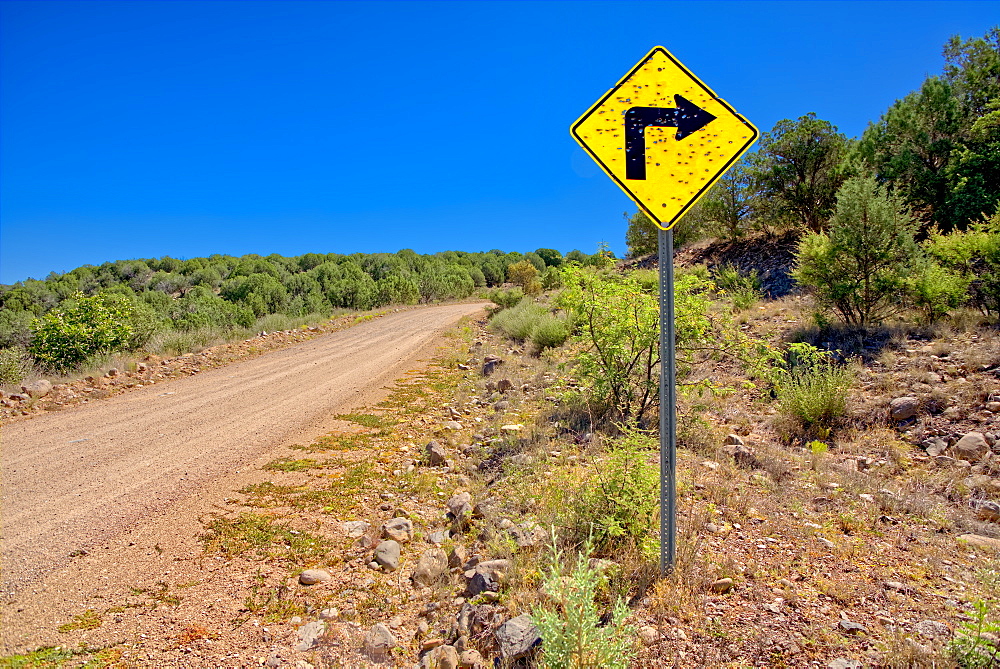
90 492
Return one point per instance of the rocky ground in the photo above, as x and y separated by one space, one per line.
418 534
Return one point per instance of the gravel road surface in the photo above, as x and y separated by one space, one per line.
76 478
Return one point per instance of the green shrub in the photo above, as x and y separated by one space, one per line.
743 289
530 321
813 391
619 321
14 365
861 267
506 298
550 332
67 336
570 621
975 643
936 290
973 254
616 506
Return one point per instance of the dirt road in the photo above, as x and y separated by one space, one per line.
74 479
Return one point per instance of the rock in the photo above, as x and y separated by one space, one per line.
504 386
987 510
734 440
517 637
355 528
453 425
387 555
398 529
470 658
896 586
19 397
113 372
439 537
511 428
932 629
528 534
379 642
722 585
648 635
851 627
844 663
980 541
971 447
743 456
329 614
309 634
903 408
457 556
936 447
39 388
978 481
430 569
442 657
460 505
314 576
496 569
436 457
480 583
993 407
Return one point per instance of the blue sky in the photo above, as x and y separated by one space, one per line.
143 129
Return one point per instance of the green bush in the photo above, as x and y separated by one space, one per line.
813 390
14 365
743 289
570 621
530 321
619 321
936 290
975 643
974 255
506 298
861 267
67 336
550 332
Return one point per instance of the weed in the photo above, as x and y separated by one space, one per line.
87 620
289 465
366 420
570 621
261 537
975 643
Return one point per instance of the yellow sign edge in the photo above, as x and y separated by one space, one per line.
711 182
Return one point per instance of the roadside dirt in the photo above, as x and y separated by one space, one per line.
90 494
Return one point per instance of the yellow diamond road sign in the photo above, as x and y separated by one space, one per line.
663 136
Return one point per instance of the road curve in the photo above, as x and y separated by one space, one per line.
75 478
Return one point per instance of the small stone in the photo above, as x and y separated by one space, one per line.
511 428
460 505
517 637
39 388
851 627
430 569
329 614
379 642
442 657
648 635
355 528
457 557
453 425
844 663
314 576
387 555
903 408
398 529
971 447
309 634
113 372
988 510
895 586
504 386
734 440
723 585
436 456
438 537
826 542
932 629
470 659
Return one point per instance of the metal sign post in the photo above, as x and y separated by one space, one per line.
668 406
665 138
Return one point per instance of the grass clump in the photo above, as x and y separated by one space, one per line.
87 620
813 392
505 299
531 321
290 465
260 537
743 289
366 420
14 365
570 621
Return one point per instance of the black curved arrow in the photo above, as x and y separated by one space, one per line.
687 117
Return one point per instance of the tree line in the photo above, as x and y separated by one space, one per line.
64 319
